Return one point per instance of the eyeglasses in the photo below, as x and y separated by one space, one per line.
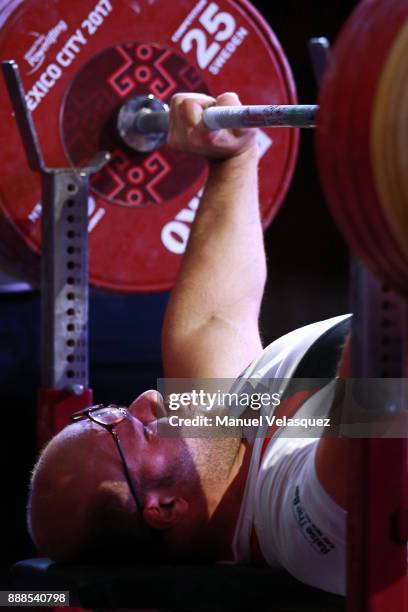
108 417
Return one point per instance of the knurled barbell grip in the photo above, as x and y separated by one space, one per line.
215 118
298 116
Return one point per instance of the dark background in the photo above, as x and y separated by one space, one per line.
308 280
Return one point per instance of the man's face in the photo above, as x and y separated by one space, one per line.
163 472
81 470
147 451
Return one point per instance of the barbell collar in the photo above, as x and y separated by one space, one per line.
143 122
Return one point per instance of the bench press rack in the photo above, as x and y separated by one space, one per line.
378 510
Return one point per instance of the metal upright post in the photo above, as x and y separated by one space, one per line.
378 494
64 274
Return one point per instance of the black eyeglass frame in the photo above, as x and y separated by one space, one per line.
86 413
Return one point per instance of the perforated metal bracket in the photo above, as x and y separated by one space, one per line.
379 324
64 261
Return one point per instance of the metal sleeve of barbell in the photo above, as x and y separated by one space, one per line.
219 117
149 122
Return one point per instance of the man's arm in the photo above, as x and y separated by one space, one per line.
211 323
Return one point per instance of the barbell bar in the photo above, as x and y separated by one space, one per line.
143 121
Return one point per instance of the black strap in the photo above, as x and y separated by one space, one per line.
320 362
322 358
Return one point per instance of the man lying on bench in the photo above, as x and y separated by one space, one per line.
111 485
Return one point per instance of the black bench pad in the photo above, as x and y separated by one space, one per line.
185 587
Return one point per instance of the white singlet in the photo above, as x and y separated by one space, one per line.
298 526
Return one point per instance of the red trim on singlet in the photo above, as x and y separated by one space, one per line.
288 407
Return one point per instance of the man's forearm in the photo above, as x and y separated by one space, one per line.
223 271
211 324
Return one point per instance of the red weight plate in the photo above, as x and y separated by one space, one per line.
340 99
335 101
15 258
356 163
389 130
360 161
354 205
139 218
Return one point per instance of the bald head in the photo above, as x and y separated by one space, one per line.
80 503
78 491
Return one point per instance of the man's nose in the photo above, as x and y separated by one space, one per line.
148 407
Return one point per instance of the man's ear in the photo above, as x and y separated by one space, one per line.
162 511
